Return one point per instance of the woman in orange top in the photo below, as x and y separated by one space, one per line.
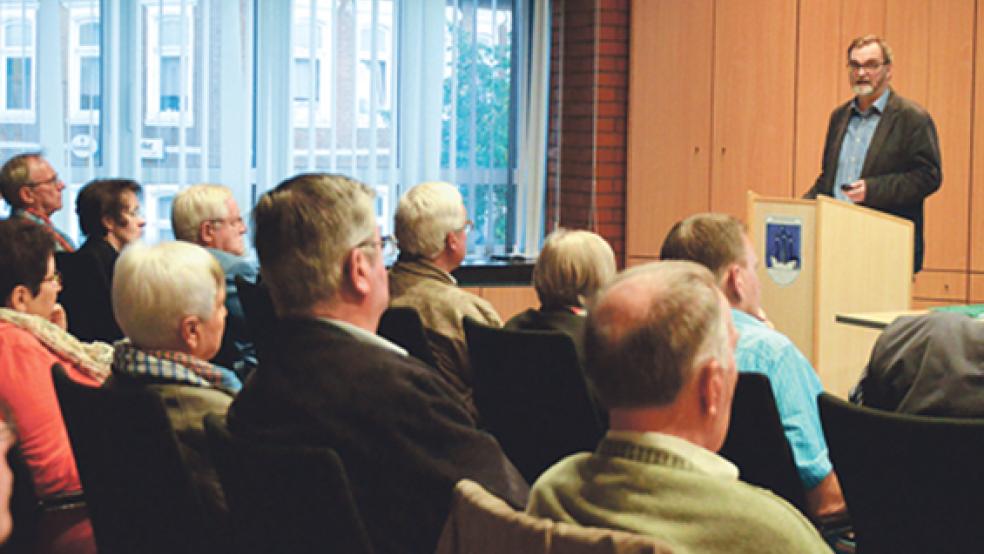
32 339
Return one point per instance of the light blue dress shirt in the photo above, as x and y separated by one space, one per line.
860 128
795 386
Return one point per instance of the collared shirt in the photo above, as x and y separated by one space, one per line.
795 386
860 128
63 242
364 336
701 458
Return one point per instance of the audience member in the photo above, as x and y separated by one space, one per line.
329 380
34 191
930 364
659 343
720 243
32 339
109 215
432 233
170 302
8 438
572 266
208 215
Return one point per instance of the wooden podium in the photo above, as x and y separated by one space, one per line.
820 257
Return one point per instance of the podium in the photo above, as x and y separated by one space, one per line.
821 257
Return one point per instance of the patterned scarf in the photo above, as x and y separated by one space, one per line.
92 358
169 365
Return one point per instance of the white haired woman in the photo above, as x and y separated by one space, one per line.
169 301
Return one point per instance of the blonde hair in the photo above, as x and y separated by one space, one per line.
155 287
304 229
572 266
424 217
196 204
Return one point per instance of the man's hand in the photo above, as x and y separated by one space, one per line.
58 317
855 191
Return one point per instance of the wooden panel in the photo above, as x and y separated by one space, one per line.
976 289
951 83
669 119
859 19
509 301
977 162
940 285
926 304
907 30
821 86
634 261
754 81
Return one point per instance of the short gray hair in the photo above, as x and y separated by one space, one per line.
304 229
155 287
572 266
425 216
196 204
643 344
15 175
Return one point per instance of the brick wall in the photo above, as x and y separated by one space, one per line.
588 105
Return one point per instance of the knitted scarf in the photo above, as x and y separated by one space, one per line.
92 358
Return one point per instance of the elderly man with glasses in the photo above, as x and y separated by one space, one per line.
881 150
34 191
432 233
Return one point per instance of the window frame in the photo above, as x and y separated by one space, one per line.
80 16
153 52
12 15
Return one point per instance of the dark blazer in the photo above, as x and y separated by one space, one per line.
87 276
405 441
556 319
901 169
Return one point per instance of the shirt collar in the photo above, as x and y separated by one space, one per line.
742 318
364 336
701 458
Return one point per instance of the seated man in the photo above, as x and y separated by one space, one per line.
170 302
719 242
572 266
109 215
33 189
931 364
659 345
208 215
432 233
329 380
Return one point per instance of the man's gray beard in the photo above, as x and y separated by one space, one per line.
863 90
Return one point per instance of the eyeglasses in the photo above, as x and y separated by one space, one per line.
236 222
54 180
869 66
54 277
468 226
133 212
386 245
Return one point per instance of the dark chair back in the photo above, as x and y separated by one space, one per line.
403 326
531 395
757 444
912 483
285 498
139 494
24 506
258 309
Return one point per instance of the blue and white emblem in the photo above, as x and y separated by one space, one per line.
783 248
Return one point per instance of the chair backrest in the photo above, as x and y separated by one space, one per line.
24 507
285 498
912 483
481 523
757 444
139 494
257 307
403 326
531 395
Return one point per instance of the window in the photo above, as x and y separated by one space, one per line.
85 71
391 92
170 67
17 60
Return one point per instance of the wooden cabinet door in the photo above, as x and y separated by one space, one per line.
669 123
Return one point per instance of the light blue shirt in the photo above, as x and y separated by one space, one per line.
860 128
795 386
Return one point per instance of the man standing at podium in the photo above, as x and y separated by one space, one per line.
881 150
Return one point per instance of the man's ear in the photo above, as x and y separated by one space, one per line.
19 297
26 195
356 271
206 233
190 331
710 387
733 284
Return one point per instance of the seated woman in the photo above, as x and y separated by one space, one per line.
170 301
32 339
109 215
572 266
